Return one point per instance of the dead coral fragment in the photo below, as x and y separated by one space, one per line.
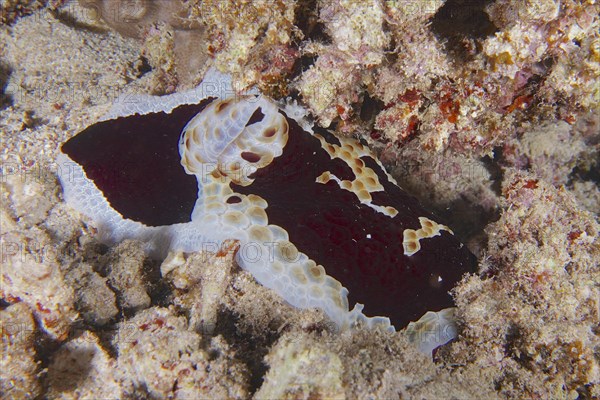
332 86
11 10
159 354
126 265
159 49
420 55
83 369
553 150
171 32
200 282
18 367
134 18
533 32
31 273
536 314
242 34
94 298
356 29
400 120
542 62
302 369
512 49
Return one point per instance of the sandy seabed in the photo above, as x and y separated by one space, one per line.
83 320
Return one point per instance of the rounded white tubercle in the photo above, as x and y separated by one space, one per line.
231 138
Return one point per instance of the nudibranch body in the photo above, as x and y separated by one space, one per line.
318 218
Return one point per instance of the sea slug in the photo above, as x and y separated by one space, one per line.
318 218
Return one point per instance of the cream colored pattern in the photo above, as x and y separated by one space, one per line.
217 141
428 229
365 180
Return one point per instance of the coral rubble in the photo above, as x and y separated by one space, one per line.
19 372
539 297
